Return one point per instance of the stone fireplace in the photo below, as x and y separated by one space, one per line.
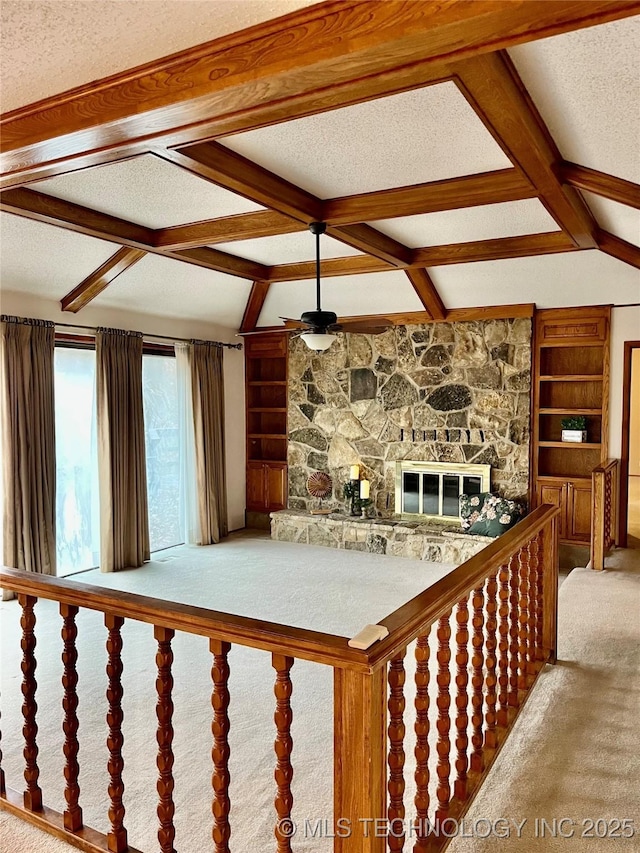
440 393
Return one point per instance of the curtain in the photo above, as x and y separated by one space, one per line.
208 416
189 511
124 520
27 424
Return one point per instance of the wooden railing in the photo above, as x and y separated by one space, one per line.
493 621
604 511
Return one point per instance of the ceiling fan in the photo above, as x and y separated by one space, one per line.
321 324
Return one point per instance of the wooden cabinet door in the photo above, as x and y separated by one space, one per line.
256 486
579 511
276 486
554 493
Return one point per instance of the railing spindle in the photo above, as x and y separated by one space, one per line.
164 737
221 751
443 724
117 836
422 741
33 793
514 700
540 599
477 679
532 621
462 698
523 616
491 663
73 812
503 647
396 732
283 747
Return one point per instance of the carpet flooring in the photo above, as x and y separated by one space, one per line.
573 754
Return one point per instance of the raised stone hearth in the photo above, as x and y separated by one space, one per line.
442 392
435 541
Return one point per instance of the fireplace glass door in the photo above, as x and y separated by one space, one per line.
432 493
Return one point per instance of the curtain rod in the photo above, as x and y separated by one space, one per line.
157 337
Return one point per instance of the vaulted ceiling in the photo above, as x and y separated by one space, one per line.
464 155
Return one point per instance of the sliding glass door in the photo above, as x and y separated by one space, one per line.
161 428
77 496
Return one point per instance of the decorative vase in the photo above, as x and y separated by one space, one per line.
577 436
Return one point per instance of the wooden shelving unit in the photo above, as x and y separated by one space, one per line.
571 377
266 425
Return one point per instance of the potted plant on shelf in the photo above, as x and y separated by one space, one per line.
574 429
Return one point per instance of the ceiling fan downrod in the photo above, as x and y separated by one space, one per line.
318 228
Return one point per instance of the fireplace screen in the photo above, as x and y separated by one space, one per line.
432 488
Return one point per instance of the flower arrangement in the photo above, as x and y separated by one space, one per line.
574 428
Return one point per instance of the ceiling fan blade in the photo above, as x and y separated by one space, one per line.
290 323
366 327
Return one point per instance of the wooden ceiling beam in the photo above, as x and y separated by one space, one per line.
468 191
367 239
213 259
227 169
336 54
608 186
427 293
493 250
227 229
95 283
74 217
618 248
495 91
351 265
254 305
231 171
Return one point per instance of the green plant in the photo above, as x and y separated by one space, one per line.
578 422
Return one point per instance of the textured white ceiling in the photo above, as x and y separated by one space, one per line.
287 248
551 281
38 258
425 135
616 218
171 288
381 293
508 219
586 85
146 190
48 46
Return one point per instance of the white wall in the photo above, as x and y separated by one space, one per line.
28 305
625 326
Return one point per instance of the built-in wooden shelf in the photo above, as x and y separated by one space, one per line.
266 409
548 411
271 382
569 377
585 445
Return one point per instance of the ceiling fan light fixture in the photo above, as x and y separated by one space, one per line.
318 341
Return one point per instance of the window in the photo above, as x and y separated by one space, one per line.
77 495
160 394
432 489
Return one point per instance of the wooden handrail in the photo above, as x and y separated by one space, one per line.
504 603
315 646
404 624
411 619
604 510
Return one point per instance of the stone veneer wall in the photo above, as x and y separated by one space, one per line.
444 392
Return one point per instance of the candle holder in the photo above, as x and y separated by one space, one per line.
365 503
352 493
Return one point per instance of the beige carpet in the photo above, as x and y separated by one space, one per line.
573 755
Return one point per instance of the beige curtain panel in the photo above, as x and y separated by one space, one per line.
124 518
208 415
27 424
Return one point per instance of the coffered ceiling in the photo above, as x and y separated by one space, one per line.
468 156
